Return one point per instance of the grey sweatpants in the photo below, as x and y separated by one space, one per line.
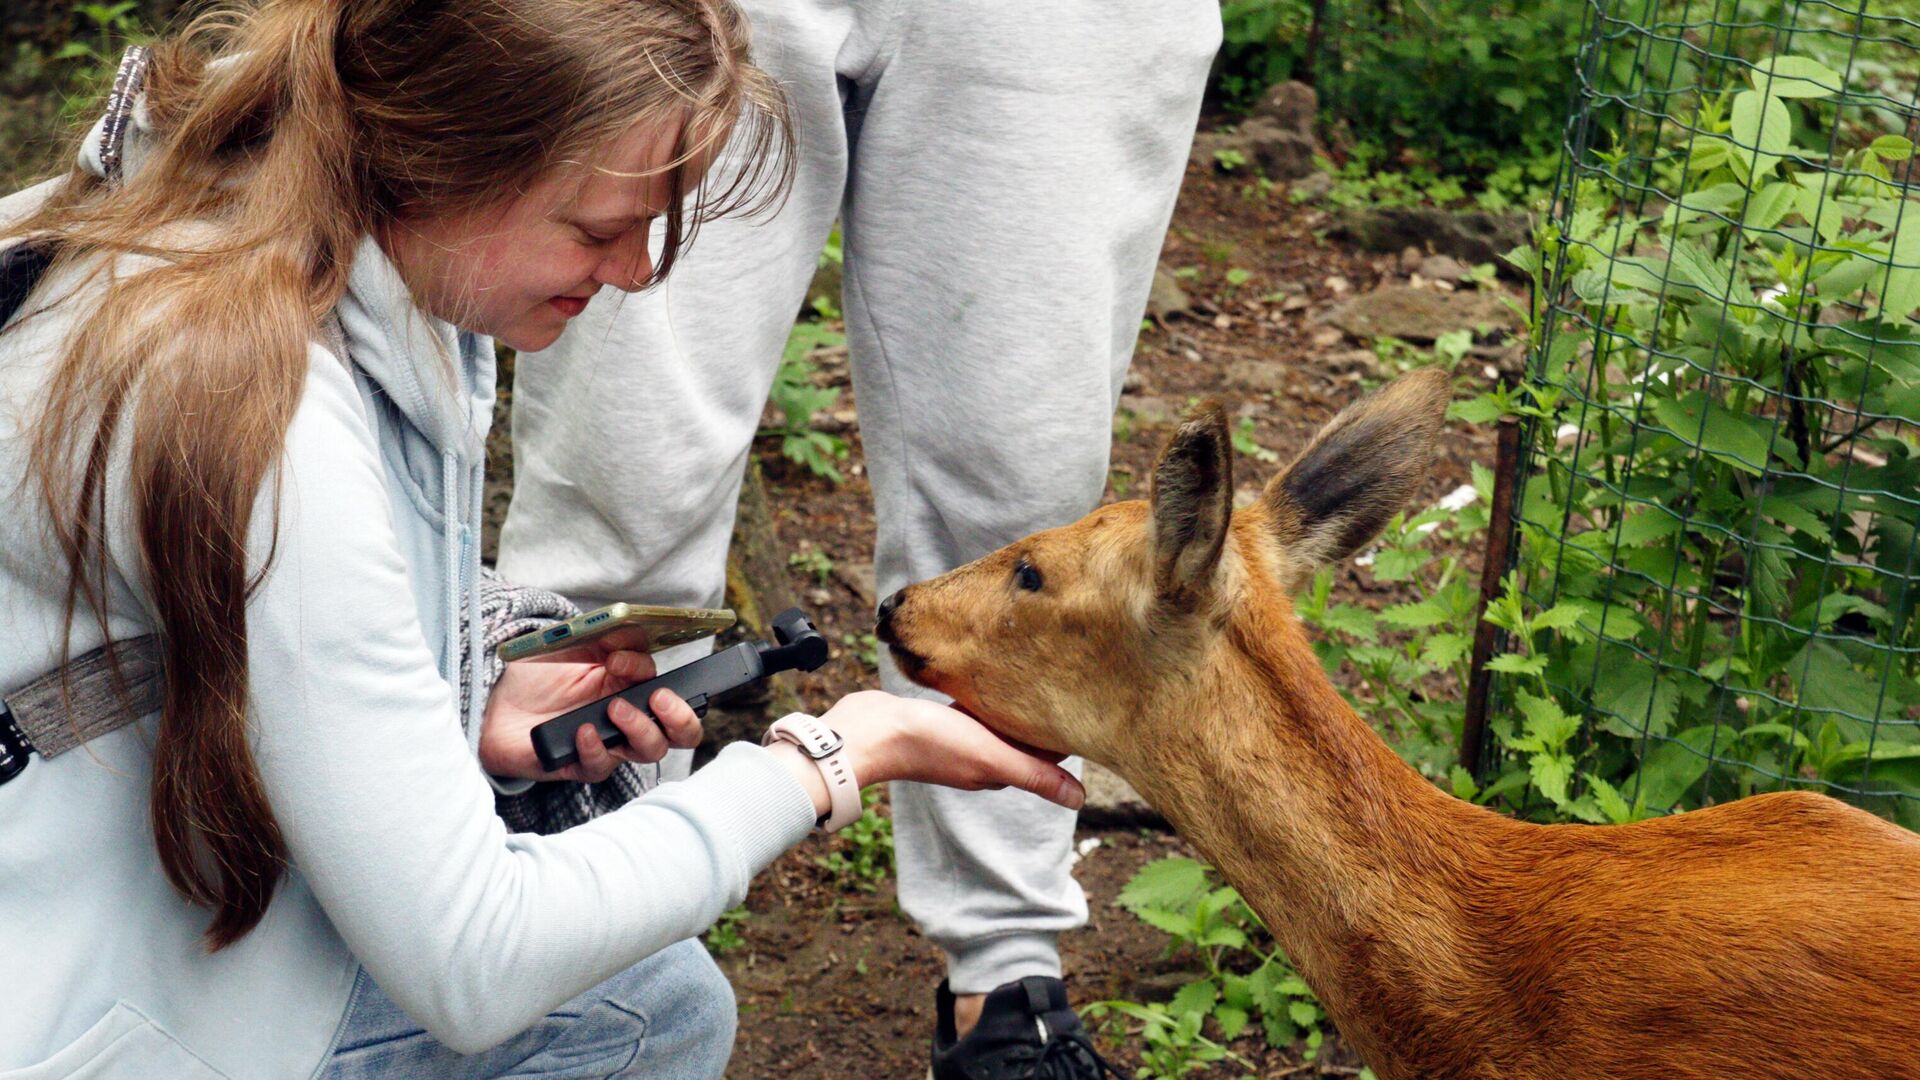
1004 171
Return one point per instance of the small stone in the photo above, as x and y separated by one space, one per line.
1338 285
1410 259
1351 360
1296 302
1223 322
1191 354
1112 802
1281 154
1258 376
819 597
1134 382
1167 299
1444 268
1417 315
1327 337
1292 105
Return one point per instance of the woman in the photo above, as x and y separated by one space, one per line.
244 412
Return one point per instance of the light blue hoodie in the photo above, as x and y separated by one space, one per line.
398 861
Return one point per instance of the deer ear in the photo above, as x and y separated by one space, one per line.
1358 471
1192 499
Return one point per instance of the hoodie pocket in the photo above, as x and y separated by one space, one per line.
122 1045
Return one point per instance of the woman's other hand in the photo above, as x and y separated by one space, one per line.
898 738
531 692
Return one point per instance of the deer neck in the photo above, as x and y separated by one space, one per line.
1354 861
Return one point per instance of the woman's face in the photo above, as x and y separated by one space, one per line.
518 270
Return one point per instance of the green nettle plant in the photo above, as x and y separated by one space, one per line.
1717 537
1246 980
798 400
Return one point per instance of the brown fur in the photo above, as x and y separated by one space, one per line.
1777 936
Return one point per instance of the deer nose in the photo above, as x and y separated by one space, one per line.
883 626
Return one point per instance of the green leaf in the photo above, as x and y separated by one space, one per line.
1901 292
1399 564
1634 693
1194 997
1609 800
1891 148
1462 783
1719 431
1828 680
1673 765
1795 77
1770 204
1511 98
1303 1013
1551 773
1232 1021
1351 620
1762 131
1417 616
1547 725
1445 650
1170 884
1515 664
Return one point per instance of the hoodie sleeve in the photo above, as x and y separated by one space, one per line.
475 932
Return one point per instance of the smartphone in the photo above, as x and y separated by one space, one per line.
650 628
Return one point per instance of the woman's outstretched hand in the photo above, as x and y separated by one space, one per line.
898 738
531 692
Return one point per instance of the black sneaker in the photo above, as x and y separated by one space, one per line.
1026 1032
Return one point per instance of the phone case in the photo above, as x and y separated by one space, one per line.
665 627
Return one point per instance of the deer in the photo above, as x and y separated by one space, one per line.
1773 936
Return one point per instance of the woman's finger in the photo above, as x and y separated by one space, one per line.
596 761
645 741
678 719
630 667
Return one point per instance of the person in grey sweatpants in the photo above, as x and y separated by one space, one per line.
1004 173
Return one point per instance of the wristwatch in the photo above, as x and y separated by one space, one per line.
826 749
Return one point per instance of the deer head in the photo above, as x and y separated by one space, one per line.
1086 638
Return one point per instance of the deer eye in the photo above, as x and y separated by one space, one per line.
1028 577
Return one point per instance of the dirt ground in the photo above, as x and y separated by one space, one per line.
836 982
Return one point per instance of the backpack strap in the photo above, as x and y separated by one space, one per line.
100 692
21 267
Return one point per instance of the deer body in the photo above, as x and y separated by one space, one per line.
1777 936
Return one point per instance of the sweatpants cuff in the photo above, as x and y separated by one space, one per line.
982 965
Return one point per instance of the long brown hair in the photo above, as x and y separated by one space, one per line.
286 130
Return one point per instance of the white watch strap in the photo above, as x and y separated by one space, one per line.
827 750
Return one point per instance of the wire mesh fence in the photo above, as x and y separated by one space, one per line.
1713 588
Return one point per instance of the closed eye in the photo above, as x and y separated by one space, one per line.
1027 576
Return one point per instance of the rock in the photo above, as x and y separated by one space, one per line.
1134 382
1151 411
1444 268
1293 105
1417 315
1346 363
1258 376
1282 154
1410 259
1296 302
1112 802
1208 144
1472 236
1312 187
1337 285
1167 298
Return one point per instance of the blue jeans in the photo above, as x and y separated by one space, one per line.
670 1015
